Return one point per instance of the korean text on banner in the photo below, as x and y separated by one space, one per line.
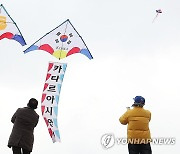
50 97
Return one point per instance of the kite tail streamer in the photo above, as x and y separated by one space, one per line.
50 98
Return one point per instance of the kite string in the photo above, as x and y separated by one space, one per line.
0 9
155 18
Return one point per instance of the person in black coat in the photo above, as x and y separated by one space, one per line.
22 135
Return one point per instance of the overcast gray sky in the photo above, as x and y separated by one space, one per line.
132 56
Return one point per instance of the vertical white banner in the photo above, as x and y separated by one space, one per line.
50 97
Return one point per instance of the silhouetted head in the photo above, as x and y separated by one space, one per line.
33 103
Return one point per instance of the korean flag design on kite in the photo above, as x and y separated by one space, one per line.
8 28
61 42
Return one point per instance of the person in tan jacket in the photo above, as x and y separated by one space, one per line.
138 132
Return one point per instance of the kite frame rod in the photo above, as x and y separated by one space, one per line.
79 36
44 35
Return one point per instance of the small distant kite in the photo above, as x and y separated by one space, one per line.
8 28
157 13
61 42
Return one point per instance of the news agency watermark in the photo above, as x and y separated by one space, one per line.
109 140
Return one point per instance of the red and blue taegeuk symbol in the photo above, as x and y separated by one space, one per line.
63 38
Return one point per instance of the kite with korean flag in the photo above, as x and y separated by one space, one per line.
8 28
62 41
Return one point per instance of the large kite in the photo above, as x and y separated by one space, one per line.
50 97
61 42
8 28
